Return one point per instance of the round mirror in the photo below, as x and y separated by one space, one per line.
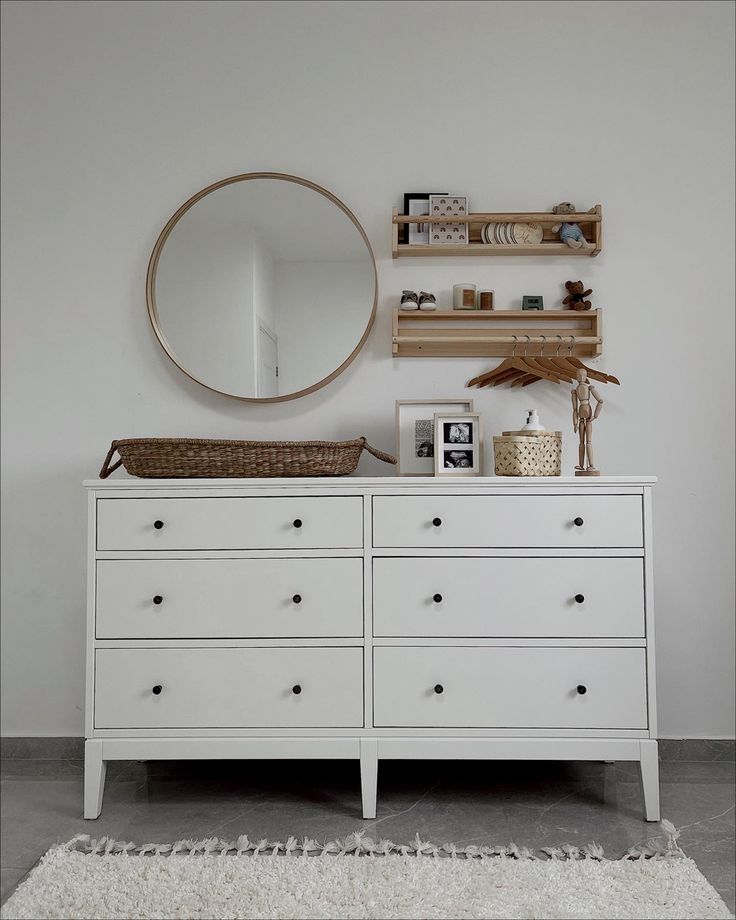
262 286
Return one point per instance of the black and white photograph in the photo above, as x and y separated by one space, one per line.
458 433
415 431
458 459
424 437
458 446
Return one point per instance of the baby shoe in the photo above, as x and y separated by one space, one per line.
427 301
409 300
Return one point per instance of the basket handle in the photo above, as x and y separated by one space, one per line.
378 454
106 468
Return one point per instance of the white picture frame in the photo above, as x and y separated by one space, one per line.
415 426
458 444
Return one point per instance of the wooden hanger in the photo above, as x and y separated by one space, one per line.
510 369
565 371
577 364
525 370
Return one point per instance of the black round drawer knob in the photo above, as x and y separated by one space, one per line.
579 598
582 689
158 524
438 688
437 521
158 599
578 522
298 523
297 598
437 598
296 689
157 689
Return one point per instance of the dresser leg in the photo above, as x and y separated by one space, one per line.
369 775
94 778
649 766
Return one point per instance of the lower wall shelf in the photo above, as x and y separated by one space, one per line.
496 333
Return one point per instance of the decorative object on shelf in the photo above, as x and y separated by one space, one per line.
532 302
194 458
415 432
511 234
532 421
451 233
583 416
458 445
463 296
485 300
532 231
486 333
528 452
570 233
416 204
409 300
427 302
576 296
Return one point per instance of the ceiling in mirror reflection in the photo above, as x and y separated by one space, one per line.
263 289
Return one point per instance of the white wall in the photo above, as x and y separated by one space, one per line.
116 112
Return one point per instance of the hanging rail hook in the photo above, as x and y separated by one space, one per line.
544 343
572 345
526 345
559 346
516 342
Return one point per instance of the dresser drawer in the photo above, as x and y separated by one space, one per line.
229 523
572 597
509 687
229 688
507 521
229 598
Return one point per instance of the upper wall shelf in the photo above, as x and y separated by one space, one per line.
591 223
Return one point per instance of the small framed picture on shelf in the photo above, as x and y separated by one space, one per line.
416 204
458 447
415 432
448 206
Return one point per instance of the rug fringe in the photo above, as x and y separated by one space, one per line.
358 844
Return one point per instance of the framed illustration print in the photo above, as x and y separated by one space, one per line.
448 206
415 432
458 446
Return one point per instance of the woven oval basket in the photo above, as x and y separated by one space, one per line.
193 458
528 453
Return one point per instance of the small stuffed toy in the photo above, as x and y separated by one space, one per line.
576 298
569 233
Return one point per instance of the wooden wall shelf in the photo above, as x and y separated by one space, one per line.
591 223
490 334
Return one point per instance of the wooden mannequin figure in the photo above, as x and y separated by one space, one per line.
583 417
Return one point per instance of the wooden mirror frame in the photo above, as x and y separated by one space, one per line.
163 237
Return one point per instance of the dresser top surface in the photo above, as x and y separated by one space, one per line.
402 483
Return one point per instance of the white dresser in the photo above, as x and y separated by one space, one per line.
370 619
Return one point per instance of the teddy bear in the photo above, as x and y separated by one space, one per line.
569 233
576 298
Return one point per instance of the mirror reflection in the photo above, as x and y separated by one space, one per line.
264 288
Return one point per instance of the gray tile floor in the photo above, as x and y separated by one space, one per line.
531 804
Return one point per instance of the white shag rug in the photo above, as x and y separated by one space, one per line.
360 878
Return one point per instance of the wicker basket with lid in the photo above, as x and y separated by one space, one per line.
528 453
